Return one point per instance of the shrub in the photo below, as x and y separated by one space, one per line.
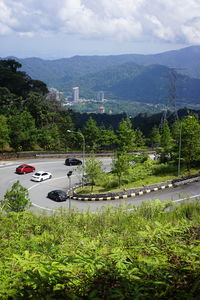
141 171
164 168
16 199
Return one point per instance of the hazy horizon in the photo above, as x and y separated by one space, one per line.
90 55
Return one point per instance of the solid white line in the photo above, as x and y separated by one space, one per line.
42 182
41 207
186 198
32 186
128 210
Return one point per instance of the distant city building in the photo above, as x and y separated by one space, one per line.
101 109
75 94
54 94
100 96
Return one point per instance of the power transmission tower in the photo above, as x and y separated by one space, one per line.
171 108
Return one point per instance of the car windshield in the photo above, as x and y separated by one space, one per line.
20 167
62 193
37 174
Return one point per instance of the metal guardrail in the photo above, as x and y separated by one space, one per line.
36 154
6 156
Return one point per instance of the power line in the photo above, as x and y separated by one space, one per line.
171 103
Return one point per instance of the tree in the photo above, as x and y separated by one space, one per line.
155 136
17 199
39 108
126 136
22 131
65 123
93 170
11 64
4 132
120 166
49 137
91 133
107 139
166 142
18 83
139 138
190 140
9 103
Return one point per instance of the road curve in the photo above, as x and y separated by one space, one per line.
38 191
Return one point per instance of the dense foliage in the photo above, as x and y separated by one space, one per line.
120 253
115 107
30 121
17 199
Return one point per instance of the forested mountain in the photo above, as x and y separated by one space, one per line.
150 84
132 77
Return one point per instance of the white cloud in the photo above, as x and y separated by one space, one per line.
167 20
6 19
191 30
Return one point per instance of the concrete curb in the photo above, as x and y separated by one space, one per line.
5 163
137 192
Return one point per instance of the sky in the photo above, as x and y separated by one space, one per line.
53 29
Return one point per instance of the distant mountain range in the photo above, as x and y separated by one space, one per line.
132 77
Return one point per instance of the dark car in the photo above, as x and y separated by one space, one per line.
57 195
23 169
72 162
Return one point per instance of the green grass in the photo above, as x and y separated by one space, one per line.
143 253
153 179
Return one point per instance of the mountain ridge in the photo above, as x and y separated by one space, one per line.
90 72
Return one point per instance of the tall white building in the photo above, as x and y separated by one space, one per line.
100 96
75 94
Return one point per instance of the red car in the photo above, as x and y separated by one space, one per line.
23 169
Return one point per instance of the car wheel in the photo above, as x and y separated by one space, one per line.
50 176
41 179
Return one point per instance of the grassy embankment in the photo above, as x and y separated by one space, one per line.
147 180
143 253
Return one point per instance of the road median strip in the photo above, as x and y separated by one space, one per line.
137 191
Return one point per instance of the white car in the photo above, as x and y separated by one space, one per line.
41 175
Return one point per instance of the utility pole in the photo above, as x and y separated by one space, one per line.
83 151
179 150
69 174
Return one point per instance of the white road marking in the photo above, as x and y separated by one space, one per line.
186 198
46 208
41 207
42 182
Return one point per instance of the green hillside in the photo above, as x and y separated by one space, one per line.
132 82
128 77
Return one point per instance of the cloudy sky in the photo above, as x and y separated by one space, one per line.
64 28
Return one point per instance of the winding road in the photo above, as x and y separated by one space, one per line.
38 190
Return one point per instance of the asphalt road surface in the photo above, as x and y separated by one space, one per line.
38 190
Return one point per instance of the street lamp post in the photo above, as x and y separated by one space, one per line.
83 138
69 174
179 150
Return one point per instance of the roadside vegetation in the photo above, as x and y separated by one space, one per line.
31 120
177 153
109 182
149 252
146 252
